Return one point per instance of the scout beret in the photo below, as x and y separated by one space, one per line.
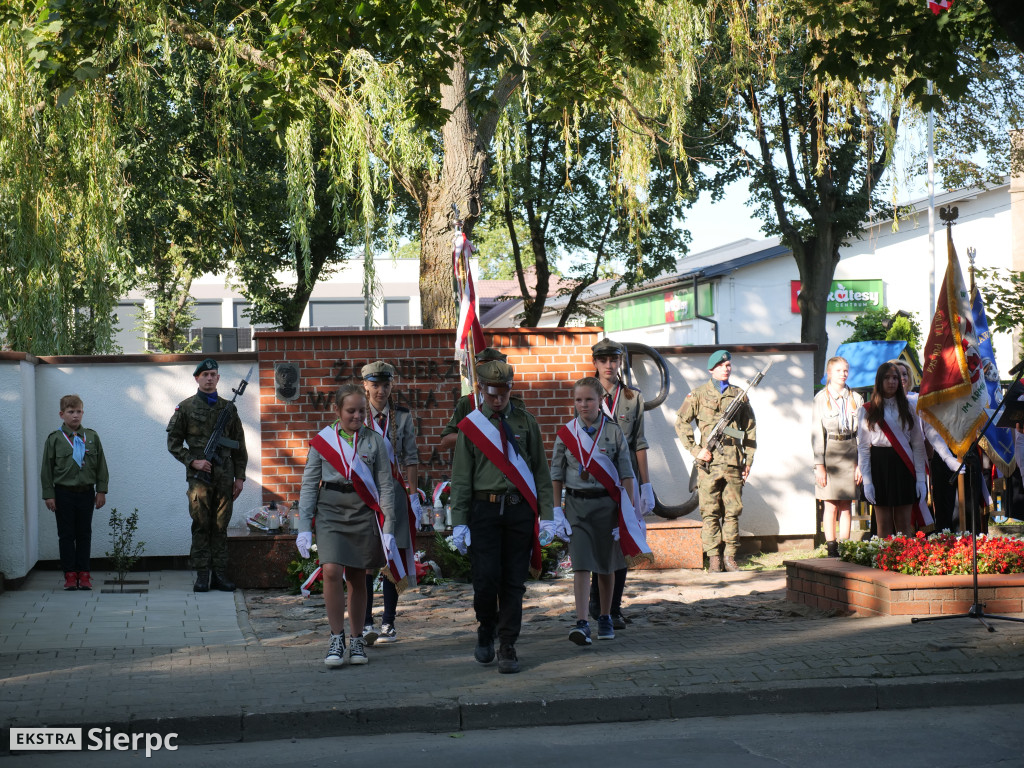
718 357
607 347
378 371
209 364
490 353
495 372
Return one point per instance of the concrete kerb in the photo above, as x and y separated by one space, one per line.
852 695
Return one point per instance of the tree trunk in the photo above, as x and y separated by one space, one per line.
816 260
461 182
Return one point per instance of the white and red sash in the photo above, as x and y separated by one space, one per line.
344 458
482 432
632 538
921 515
406 554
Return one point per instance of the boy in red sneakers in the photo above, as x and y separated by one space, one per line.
74 477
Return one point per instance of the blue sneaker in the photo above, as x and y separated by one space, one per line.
580 634
605 628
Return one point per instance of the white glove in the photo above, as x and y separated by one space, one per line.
303 542
615 533
869 492
390 545
562 528
548 530
922 489
460 538
646 499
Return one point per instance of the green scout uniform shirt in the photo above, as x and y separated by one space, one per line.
59 468
705 405
462 409
189 430
473 472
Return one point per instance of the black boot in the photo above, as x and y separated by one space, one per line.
831 549
202 582
222 582
484 651
508 662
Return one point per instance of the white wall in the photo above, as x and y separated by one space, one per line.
19 487
129 405
779 497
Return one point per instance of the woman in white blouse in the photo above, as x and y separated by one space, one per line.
834 443
890 453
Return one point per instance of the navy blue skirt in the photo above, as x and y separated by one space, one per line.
895 485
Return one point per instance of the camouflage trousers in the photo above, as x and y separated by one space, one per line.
721 504
210 509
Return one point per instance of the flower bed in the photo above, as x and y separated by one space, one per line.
940 554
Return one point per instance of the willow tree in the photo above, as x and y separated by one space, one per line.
415 93
61 268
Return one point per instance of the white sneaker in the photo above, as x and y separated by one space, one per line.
369 634
335 651
387 634
356 652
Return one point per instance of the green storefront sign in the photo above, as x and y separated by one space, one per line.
657 309
848 296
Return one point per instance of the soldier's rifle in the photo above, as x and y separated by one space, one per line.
217 439
722 430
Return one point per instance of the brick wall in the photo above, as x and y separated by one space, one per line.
834 585
547 361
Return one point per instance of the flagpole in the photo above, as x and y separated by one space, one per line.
931 201
461 267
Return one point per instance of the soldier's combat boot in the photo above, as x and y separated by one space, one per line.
729 561
222 582
714 563
202 582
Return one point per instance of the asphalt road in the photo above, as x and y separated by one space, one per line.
941 737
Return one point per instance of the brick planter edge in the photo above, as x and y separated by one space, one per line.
846 588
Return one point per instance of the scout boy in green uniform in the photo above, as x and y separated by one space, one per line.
74 478
491 513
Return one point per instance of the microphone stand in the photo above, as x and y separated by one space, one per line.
972 462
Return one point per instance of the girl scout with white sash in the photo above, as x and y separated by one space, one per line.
347 484
591 515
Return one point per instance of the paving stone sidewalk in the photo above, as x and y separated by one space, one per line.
221 667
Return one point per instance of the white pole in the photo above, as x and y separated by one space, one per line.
931 204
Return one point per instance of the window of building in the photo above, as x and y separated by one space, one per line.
396 312
336 313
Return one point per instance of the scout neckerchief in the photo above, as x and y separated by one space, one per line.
345 459
584 448
382 426
502 453
900 442
842 406
77 448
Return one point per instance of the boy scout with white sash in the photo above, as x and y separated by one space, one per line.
500 487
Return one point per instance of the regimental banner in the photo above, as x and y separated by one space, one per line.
953 390
846 296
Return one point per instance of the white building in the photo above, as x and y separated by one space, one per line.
336 302
746 291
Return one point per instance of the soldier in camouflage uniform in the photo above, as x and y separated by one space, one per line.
209 504
720 489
